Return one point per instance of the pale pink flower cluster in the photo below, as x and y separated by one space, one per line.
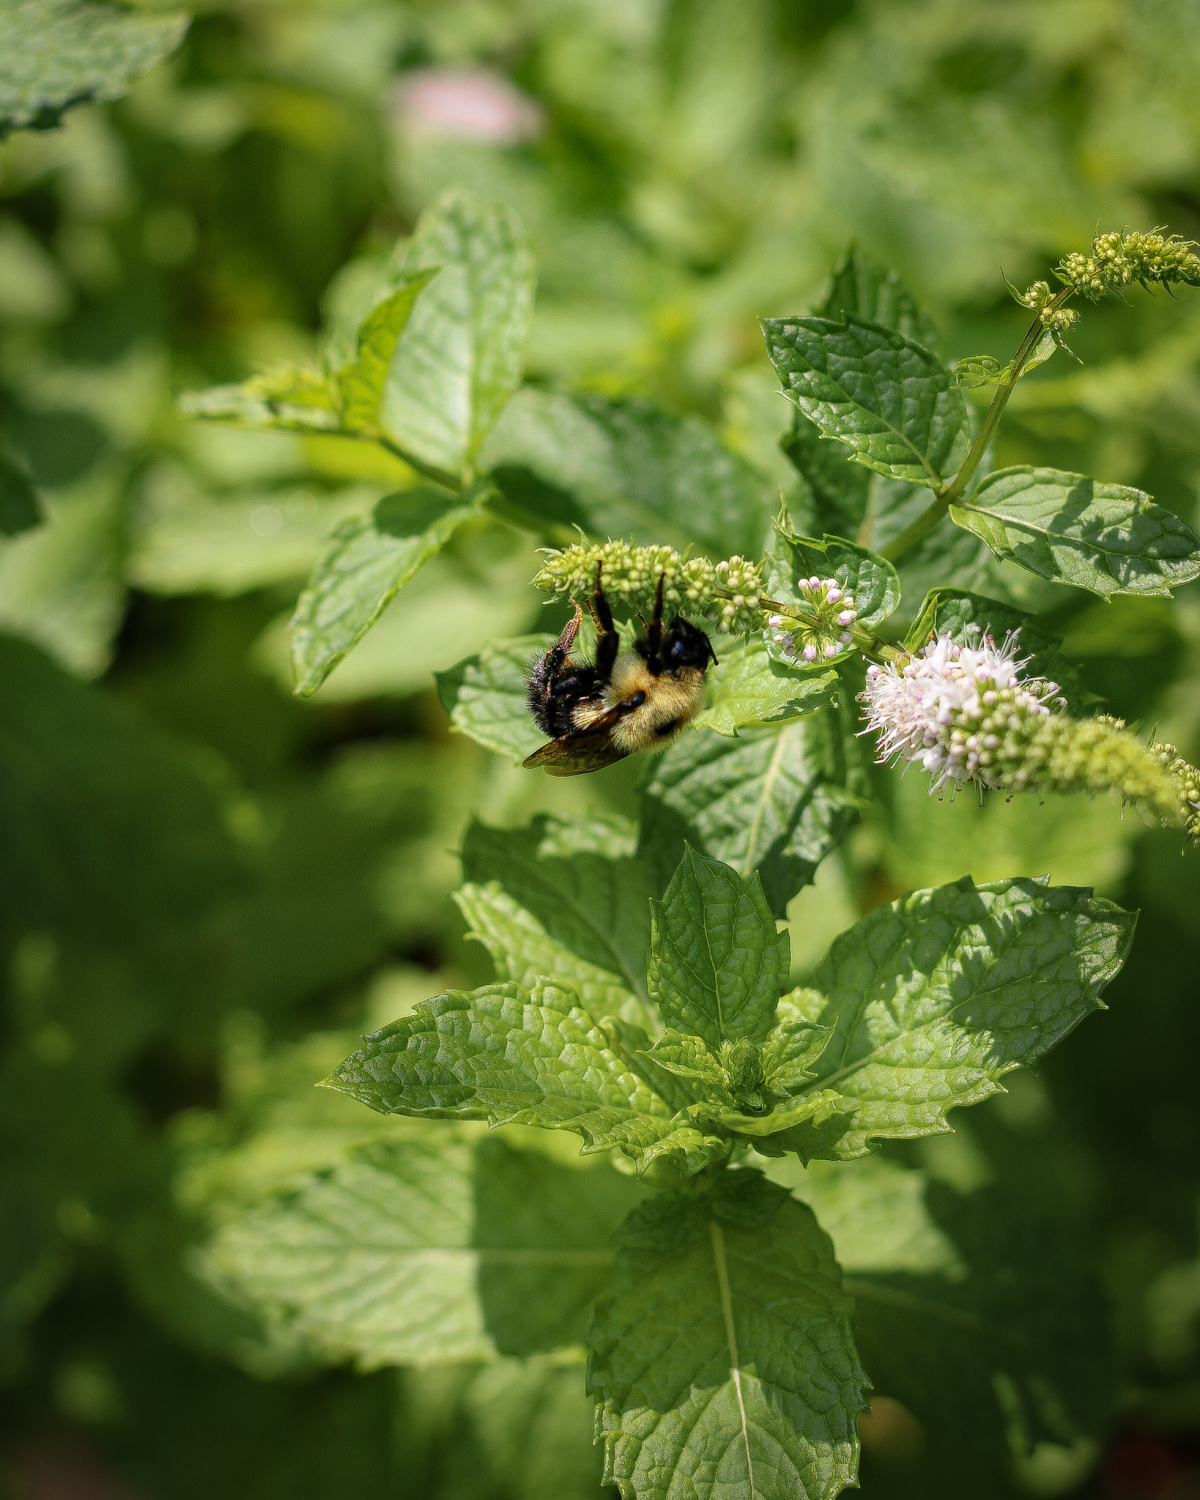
829 633
950 707
471 104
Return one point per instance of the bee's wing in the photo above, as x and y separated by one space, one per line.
589 749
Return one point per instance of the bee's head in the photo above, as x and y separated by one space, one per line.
683 645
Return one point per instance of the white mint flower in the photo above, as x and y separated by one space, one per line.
962 711
957 709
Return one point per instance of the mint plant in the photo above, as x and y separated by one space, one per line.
643 995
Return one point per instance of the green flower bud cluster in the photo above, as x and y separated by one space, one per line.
1117 259
1040 299
1062 755
743 1065
726 594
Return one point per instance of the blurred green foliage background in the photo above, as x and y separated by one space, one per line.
209 887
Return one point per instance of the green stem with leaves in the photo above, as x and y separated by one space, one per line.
945 497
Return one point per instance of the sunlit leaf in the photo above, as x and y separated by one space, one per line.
1108 538
886 397
55 54
361 569
722 1361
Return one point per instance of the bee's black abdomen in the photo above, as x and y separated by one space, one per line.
555 688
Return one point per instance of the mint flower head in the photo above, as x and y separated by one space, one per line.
726 594
958 710
1118 258
824 631
964 713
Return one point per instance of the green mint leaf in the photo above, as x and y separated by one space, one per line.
592 907
620 467
509 1056
812 1109
864 289
934 998
62 583
365 563
792 1051
772 800
955 612
686 1056
870 580
460 356
968 1309
20 508
524 952
722 1361
293 399
717 964
882 394
486 699
529 1426
1107 538
435 1248
977 370
55 54
837 488
749 688
361 385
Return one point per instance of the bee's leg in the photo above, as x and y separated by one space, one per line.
608 641
569 631
554 679
654 630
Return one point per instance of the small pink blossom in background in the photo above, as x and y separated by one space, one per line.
469 104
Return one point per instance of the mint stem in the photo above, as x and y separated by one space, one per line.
944 498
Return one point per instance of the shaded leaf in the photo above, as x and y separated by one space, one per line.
864 289
58 53
20 509
485 696
363 566
883 395
1108 538
935 997
437 1248
993 1361
459 358
717 964
837 487
595 907
722 1361
620 467
110 827
507 1056
528 1434
772 800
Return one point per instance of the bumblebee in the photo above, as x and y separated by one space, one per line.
598 713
